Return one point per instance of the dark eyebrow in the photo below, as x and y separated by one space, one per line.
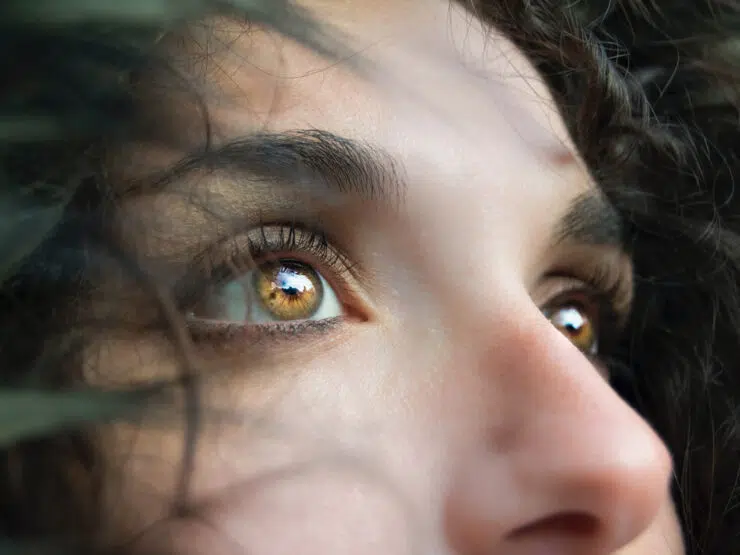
312 159
591 219
320 160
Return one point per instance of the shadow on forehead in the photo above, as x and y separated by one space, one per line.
307 161
326 167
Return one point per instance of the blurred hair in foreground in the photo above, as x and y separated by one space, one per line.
648 93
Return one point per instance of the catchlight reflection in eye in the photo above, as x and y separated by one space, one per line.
575 323
280 291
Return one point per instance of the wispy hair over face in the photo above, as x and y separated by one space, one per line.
648 90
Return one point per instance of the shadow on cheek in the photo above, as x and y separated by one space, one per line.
321 511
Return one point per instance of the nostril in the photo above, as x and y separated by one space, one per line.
572 524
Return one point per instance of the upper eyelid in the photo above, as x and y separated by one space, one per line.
339 261
312 236
604 296
578 270
217 256
611 324
575 287
607 268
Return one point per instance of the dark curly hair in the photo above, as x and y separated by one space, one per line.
648 91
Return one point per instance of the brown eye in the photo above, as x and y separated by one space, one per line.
276 291
574 322
288 290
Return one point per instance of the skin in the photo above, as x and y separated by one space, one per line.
443 414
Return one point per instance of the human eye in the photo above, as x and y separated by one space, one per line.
580 321
274 278
276 291
590 311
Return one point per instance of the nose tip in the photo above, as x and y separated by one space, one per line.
558 462
575 502
605 500
589 497
629 492
571 469
600 481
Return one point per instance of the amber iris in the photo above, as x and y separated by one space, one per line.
573 322
288 290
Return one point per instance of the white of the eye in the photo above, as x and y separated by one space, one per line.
256 313
232 301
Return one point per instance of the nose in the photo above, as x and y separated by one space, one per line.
565 466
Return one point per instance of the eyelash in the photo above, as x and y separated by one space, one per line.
265 243
596 288
603 290
295 239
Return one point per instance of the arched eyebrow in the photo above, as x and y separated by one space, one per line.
323 162
314 161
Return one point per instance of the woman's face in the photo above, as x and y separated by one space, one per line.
412 364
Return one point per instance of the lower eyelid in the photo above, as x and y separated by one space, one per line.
268 243
216 331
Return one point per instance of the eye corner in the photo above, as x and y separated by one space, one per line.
239 308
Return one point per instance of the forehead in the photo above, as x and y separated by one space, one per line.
461 110
417 66
467 124
429 83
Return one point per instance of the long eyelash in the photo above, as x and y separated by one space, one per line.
224 262
613 301
613 297
612 290
614 316
605 287
608 284
292 237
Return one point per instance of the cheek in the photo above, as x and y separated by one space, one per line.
313 509
324 444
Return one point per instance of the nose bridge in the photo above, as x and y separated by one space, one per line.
550 451
560 445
